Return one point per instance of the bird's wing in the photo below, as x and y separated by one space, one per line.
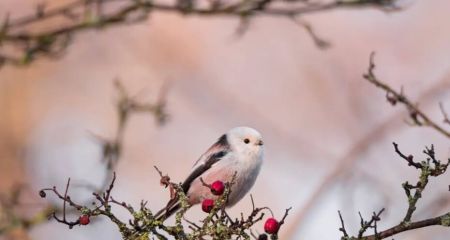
220 145
216 152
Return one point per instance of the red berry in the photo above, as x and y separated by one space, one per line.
271 226
207 205
84 220
217 188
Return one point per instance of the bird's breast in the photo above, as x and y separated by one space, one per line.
245 169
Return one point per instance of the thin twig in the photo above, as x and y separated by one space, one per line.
418 117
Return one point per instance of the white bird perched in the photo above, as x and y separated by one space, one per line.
240 152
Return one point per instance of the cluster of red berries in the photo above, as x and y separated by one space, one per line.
217 188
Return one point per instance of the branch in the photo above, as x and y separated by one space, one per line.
430 167
444 113
443 220
127 106
346 161
372 223
12 218
217 224
418 117
409 158
83 15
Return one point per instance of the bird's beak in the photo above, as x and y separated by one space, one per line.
260 143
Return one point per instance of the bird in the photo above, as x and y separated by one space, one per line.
238 152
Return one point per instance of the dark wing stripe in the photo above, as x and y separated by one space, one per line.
222 141
221 144
201 169
217 151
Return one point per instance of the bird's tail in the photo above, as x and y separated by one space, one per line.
168 211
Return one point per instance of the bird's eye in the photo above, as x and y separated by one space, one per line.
246 141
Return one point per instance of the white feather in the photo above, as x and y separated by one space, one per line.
244 156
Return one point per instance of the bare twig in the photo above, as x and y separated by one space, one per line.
342 228
431 167
127 106
418 117
409 158
372 223
318 41
346 162
444 113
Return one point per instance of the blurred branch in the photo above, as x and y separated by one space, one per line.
430 167
11 219
126 106
418 117
444 113
318 41
82 15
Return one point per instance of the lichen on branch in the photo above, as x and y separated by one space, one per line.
429 167
143 224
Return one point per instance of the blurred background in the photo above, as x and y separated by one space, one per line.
328 133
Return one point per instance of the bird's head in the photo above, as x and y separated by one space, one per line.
245 140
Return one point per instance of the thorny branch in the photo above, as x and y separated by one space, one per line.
143 224
418 117
430 167
20 45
